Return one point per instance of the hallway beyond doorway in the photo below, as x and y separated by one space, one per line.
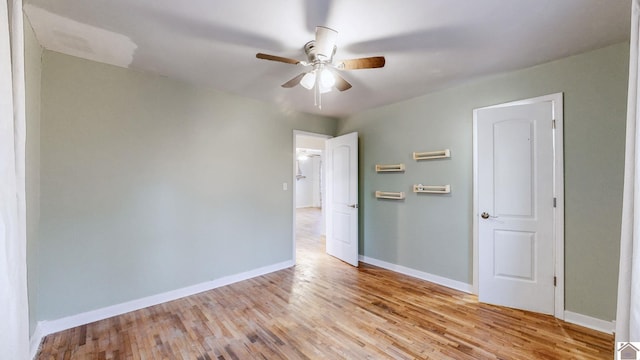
309 238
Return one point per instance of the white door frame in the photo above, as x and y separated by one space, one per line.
294 183
558 192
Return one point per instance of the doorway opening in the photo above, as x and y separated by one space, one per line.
309 194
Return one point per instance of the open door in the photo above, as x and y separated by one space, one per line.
342 197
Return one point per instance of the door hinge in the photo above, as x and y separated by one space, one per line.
553 123
555 201
555 281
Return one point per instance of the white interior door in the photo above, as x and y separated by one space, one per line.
515 198
342 197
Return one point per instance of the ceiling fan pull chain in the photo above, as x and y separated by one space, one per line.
317 101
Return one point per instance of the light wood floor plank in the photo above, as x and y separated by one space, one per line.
325 309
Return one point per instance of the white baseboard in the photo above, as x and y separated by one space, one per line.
590 322
571 317
47 327
35 341
453 284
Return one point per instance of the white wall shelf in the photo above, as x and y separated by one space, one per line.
390 168
428 155
390 195
432 189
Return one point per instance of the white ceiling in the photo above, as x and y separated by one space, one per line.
428 44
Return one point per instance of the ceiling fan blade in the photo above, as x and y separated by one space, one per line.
277 58
341 84
293 82
362 63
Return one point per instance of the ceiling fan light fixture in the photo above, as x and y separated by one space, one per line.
327 79
308 80
324 90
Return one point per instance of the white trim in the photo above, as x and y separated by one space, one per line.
294 182
590 322
558 190
453 284
474 215
47 327
35 341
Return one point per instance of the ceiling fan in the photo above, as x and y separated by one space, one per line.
322 77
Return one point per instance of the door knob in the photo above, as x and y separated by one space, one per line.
485 215
355 206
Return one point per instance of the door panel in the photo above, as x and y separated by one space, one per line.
340 172
513 159
342 197
514 254
341 228
515 206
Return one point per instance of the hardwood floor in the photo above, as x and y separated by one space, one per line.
325 309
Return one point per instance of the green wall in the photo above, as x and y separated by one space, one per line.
149 185
434 233
33 73
144 185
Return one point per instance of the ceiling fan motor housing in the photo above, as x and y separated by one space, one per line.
323 47
311 50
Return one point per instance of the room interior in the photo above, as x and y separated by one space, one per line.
160 152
